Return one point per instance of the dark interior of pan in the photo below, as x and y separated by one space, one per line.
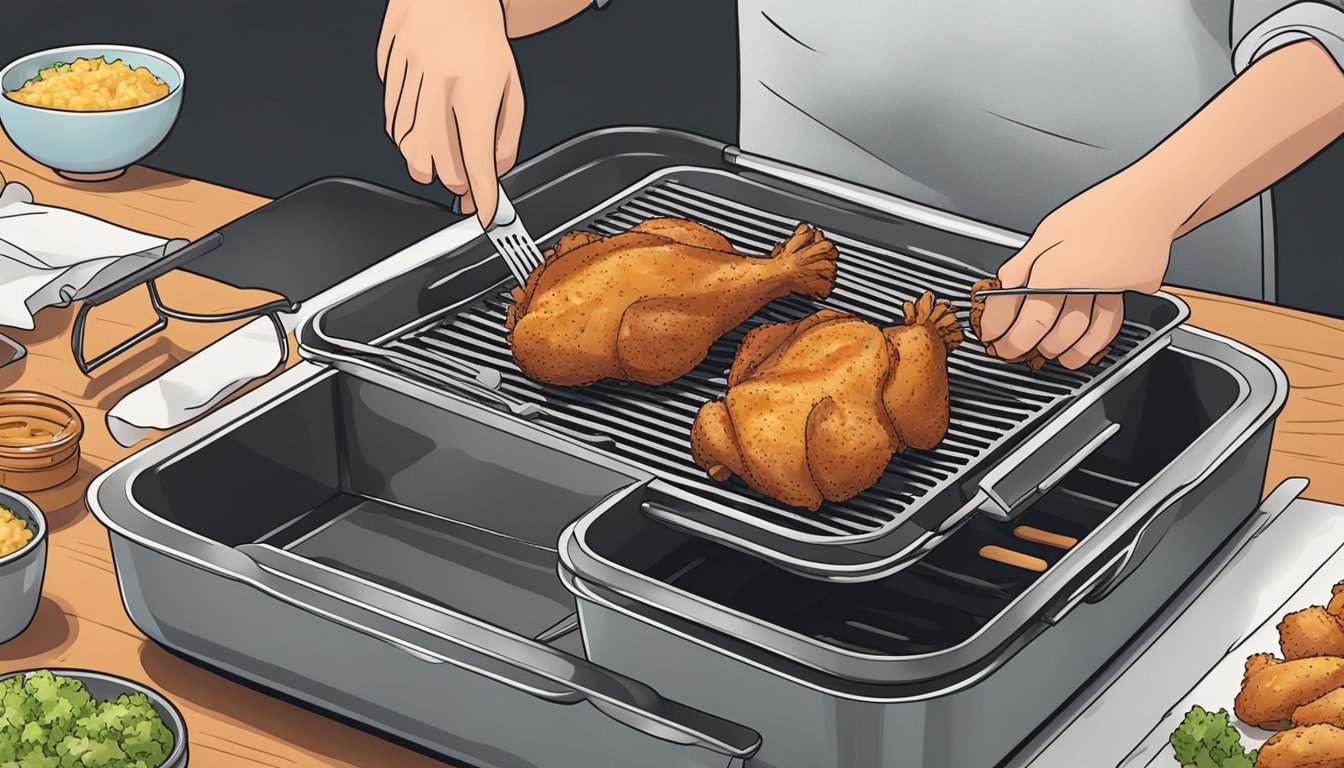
964 583
431 323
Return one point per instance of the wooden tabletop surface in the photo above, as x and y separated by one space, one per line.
81 622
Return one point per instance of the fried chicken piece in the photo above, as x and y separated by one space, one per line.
1311 632
646 305
1327 710
1034 359
816 409
1315 746
1272 692
1336 605
1257 662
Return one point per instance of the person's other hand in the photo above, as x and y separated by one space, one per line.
452 99
1107 238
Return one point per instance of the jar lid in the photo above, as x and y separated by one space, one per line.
33 424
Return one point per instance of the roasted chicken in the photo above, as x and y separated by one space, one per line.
646 305
817 408
1034 359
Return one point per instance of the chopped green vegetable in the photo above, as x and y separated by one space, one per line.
1209 740
49 721
54 65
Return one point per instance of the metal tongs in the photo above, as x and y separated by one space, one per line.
1046 291
510 237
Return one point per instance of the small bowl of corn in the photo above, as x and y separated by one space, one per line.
23 562
89 111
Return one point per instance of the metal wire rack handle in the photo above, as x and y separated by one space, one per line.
164 313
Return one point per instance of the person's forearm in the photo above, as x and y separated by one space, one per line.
1280 112
528 17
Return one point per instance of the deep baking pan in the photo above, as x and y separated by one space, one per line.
312 539
949 662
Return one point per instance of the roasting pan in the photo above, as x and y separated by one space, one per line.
496 589
1013 432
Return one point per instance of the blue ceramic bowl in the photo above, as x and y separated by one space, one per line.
90 146
21 572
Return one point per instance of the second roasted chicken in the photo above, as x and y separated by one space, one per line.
817 408
646 305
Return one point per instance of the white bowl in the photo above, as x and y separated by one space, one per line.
90 146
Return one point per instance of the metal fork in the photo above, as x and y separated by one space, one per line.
510 237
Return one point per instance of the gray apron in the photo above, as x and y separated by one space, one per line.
1000 111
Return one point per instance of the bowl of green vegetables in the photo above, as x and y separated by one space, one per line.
54 718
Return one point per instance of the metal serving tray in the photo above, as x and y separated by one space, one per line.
1011 429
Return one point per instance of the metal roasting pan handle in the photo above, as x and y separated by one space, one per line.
1107 578
387 617
1152 532
1057 448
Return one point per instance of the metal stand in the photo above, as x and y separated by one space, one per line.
163 313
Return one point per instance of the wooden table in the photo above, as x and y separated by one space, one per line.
81 622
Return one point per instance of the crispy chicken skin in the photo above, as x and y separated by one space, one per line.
1327 710
1272 692
646 305
1034 359
1336 605
1257 662
1315 746
816 409
1311 632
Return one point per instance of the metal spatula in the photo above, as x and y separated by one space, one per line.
515 245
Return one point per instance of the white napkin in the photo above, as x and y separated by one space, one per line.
197 383
50 255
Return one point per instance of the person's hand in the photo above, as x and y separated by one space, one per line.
453 102
1111 237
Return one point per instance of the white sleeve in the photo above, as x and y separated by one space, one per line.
1262 26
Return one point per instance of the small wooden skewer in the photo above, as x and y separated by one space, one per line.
1015 559
1038 536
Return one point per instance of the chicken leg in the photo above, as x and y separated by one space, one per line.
646 305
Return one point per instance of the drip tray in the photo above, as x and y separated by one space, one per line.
503 580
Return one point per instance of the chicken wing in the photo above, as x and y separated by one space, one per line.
1315 746
646 305
1336 604
1272 692
1327 710
1311 632
816 409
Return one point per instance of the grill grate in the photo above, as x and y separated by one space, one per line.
651 426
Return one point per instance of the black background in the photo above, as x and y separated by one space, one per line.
282 92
